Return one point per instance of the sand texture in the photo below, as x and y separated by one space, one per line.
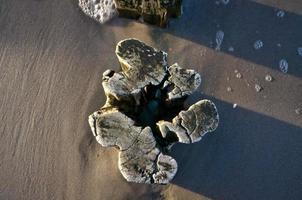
52 57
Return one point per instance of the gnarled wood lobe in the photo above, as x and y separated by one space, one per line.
140 63
183 81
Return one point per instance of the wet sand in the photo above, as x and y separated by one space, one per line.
51 60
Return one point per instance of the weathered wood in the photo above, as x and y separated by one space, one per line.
141 63
182 81
134 99
191 125
155 12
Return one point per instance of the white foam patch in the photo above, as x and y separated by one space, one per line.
258 44
100 10
283 65
280 14
219 39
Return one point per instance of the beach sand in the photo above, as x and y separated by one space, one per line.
52 58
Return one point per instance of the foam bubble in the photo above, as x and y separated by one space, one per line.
100 10
258 44
219 39
283 65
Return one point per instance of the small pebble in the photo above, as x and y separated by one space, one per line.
298 111
283 65
234 105
268 78
203 52
279 45
299 51
231 49
219 39
247 83
280 14
258 88
258 44
229 89
239 75
225 2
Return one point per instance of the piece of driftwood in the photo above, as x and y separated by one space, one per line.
142 116
155 12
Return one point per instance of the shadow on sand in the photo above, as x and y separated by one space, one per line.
243 23
250 156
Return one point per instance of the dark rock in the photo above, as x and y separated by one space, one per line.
155 12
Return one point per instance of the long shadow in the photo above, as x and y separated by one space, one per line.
243 22
250 156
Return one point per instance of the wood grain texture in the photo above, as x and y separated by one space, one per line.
51 61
